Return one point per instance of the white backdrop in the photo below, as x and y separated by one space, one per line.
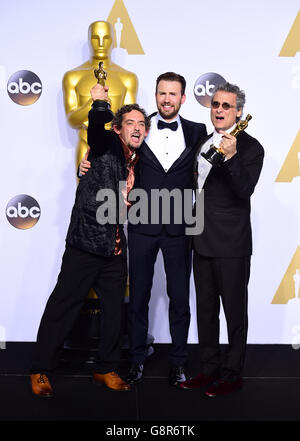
240 41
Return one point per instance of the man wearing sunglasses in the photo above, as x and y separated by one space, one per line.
221 262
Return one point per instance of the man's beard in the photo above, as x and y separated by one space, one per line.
133 147
168 115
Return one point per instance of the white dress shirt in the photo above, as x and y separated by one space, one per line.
167 145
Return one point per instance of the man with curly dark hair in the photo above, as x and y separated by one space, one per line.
95 254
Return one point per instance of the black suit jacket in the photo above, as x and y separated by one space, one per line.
227 192
150 175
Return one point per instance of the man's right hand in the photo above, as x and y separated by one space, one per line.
99 92
84 163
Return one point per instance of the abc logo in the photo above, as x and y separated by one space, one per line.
24 87
23 211
204 86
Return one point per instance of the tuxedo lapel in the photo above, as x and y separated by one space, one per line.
189 142
202 142
187 134
148 154
198 150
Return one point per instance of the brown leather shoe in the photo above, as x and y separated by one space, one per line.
40 385
112 381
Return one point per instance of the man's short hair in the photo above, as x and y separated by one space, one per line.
231 88
118 116
172 76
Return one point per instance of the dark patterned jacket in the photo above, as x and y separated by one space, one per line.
107 169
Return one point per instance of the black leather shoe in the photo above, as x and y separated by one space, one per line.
135 374
177 375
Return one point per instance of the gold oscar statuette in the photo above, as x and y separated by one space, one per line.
100 74
241 125
214 155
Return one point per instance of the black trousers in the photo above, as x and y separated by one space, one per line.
227 279
80 271
177 257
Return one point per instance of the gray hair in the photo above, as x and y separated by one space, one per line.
231 88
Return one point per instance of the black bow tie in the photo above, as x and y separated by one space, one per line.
163 125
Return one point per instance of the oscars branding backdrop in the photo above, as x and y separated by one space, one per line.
255 45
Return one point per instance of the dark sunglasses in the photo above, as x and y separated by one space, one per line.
225 106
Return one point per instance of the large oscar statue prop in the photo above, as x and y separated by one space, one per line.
215 155
77 83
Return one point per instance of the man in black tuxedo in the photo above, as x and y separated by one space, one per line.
221 262
166 162
96 248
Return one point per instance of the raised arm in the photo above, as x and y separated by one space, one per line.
98 116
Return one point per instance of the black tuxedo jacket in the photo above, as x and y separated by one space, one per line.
227 192
150 175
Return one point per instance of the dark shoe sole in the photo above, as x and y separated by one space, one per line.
42 396
221 395
175 384
132 383
99 383
212 395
